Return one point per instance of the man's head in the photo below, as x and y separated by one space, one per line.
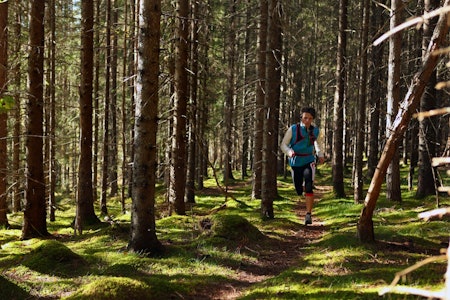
308 115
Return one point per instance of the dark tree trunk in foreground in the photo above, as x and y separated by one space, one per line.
34 223
272 103
3 114
407 109
85 197
143 232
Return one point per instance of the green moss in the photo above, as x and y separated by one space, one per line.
111 288
232 227
53 257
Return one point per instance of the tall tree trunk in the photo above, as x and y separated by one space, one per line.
272 103
3 113
192 149
361 109
393 191
230 92
143 230
178 161
16 163
85 198
259 106
426 181
106 116
34 224
338 114
375 91
407 109
112 172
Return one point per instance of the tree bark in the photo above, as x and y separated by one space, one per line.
361 110
338 114
393 98
404 115
178 157
426 181
143 230
269 190
3 113
85 202
259 105
34 224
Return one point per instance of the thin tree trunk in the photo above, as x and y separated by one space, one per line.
112 172
407 109
192 148
361 109
17 195
338 114
393 191
106 116
259 106
3 113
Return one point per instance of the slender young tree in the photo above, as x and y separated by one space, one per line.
376 75
85 198
17 78
272 103
338 114
361 110
259 105
393 191
3 113
178 156
107 107
143 232
230 92
34 224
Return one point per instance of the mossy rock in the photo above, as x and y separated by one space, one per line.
53 257
110 288
11 291
231 227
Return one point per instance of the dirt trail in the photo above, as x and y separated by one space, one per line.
277 257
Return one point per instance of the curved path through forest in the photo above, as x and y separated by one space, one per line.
276 258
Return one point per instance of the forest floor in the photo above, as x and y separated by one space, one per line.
276 257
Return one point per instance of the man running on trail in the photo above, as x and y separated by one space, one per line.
300 144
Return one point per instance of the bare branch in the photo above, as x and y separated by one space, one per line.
412 22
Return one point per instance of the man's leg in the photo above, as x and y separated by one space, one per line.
297 178
308 174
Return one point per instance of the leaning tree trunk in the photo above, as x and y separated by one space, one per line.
407 109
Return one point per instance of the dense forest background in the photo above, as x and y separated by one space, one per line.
232 76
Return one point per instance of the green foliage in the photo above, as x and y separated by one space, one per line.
210 249
6 103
